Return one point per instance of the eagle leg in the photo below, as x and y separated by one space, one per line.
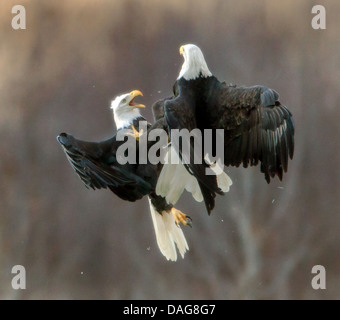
135 133
180 217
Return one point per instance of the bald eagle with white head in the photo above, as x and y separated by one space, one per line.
257 127
97 165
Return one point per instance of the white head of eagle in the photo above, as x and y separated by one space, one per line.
194 63
125 110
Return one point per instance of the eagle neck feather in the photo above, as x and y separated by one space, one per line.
194 66
125 119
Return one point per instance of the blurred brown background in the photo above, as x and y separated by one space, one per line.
60 74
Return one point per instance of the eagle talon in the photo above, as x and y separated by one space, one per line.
189 222
135 133
181 217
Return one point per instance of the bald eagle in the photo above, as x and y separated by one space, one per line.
257 127
97 165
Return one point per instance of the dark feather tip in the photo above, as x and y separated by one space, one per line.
63 139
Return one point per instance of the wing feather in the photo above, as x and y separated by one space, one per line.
90 162
257 128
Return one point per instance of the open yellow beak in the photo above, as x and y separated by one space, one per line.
181 50
133 95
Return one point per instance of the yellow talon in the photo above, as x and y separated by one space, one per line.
180 217
135 133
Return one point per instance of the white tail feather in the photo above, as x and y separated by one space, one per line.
168 234
174 178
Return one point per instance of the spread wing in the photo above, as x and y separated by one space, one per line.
96 165
180 114
258 128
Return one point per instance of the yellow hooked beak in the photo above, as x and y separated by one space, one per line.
181 50
133 95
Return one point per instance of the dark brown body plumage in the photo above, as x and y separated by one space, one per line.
97 166
257 127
